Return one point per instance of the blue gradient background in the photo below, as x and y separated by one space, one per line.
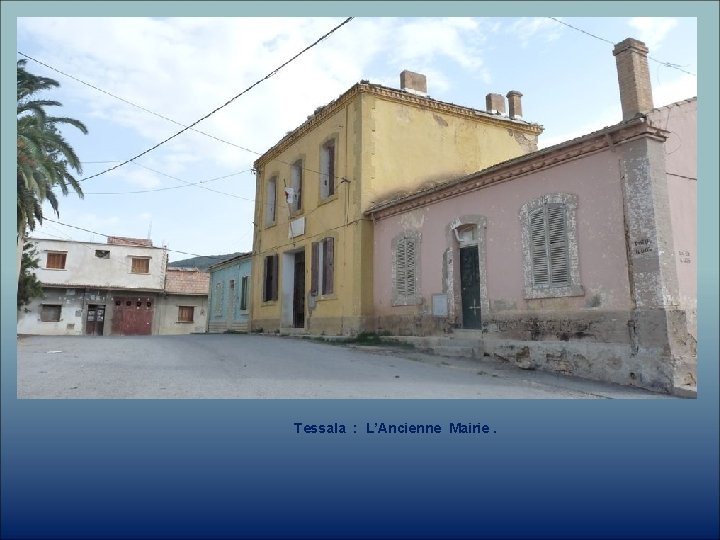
230 469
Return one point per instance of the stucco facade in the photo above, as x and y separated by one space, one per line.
626 310
312 254
94 288
183 305
230 295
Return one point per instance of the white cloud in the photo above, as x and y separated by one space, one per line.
675 90
652 30
529 30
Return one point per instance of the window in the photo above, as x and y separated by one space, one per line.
405 269
50 313
323 267
548 235
295 200
102 253
327 170
140 265
218 299
270 273
270 198
243 293
550 247
56 261
186 313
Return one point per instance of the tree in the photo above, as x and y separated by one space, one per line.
29 286
45 160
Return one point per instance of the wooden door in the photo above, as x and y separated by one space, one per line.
133 316
95 320
470 286
299 291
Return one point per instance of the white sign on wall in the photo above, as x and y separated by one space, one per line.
297 227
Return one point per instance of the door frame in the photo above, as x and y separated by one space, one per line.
451 281
287 287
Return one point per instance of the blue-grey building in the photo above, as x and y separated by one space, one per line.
229 303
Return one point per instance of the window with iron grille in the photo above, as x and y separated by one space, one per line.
551 266
56 260
140 265
186 313
405 269
50 313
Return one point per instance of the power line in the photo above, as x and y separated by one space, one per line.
197 184
188 184
666 64
272 73
134 245
134 105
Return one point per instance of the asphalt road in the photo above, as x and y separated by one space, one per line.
255 366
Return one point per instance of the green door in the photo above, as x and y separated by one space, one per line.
470 286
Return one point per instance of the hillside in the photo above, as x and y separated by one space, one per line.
203 262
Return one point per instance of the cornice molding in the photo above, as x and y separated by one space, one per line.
397 96
521 166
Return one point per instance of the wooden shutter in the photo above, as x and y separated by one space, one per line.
275 259
56 260
243 293
410 267
406 267
400 268
331 168
267 284
185 313
314 274
328 265
557 245
538 247
140 266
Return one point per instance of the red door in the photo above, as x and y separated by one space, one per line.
133 316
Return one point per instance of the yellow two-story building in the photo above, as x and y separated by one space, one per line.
312 253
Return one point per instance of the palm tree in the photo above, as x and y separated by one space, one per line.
44 158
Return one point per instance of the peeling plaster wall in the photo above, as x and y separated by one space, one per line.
601 240
71 315
681 164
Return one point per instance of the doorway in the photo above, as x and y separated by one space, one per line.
95 320
299 290
470 286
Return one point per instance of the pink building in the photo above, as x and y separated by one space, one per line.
579 258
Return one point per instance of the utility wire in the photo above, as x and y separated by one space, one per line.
136 106
133 245
666 64
197 184
272 73
189 184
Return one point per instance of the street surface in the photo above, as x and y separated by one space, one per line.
257 366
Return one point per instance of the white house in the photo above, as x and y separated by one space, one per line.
93 288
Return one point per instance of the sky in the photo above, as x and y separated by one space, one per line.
165 72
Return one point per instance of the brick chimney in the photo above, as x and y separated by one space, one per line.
633 77
495 104
514 104
415 83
